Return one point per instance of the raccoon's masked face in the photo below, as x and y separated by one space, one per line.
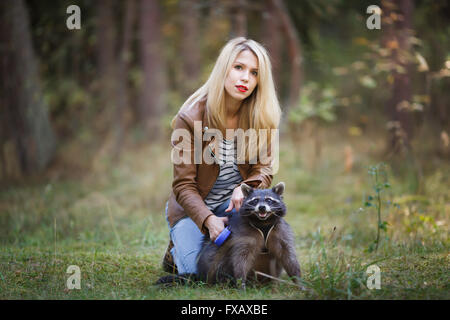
263 203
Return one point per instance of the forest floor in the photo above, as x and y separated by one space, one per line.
111 224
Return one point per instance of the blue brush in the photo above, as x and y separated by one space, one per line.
223 236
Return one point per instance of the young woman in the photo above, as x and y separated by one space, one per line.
239 94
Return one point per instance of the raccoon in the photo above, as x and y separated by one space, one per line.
260 240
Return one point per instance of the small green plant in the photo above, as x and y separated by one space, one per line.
379 184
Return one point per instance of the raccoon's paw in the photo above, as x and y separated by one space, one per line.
298 281
240 284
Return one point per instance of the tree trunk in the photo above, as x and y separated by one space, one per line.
238 14
294 50
397 24
190 51
24 120
123 63
272 39
106 53
153 91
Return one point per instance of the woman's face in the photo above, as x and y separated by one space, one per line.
243 76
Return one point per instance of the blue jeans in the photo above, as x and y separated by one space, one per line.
187 240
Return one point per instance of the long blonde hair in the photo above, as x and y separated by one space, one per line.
261 110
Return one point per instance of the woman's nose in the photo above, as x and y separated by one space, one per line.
245 76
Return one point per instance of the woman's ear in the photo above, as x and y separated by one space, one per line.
279 188
246 189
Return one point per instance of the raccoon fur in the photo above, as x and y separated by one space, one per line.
260 240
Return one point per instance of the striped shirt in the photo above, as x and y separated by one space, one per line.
229 176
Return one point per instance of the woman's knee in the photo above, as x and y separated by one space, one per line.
187 240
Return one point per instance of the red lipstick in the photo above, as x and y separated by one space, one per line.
242 88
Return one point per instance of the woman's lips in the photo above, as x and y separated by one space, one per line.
242 88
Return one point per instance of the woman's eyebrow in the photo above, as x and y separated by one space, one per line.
238 62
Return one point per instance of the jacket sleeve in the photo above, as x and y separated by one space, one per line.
260 177
184 183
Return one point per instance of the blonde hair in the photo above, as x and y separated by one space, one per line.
261 110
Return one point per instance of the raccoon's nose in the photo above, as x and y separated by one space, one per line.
262 208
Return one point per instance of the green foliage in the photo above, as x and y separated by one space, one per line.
316 103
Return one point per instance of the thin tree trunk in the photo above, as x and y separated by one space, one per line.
190 52
106 44
124 60
272 39
153 91
294 50
239 18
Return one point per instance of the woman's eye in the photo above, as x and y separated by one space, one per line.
238 67
255 73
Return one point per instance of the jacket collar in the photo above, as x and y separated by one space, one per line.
205 120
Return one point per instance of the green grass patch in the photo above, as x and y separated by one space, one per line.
111 224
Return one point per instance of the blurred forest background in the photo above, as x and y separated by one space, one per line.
85 116
67 95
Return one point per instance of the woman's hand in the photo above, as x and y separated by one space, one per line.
215 225
236 199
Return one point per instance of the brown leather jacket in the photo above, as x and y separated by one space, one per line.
192 182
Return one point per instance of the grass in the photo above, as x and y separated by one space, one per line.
111 224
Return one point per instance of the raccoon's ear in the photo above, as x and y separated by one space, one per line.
278 188
246 189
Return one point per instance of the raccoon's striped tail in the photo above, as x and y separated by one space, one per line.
177 279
